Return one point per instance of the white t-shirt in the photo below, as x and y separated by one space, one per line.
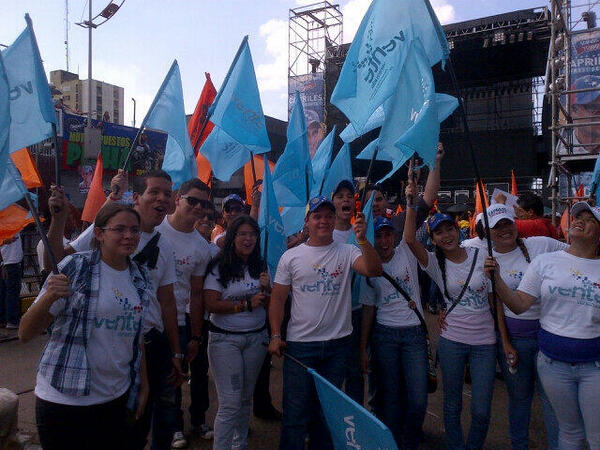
474 242
110 341
12 253
471 321
39 249
238 290
192 254
321 293
163 273
392 307
569 290
218 236
513 265
342 236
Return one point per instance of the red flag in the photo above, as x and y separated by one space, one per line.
12 220
195 127
513 183
259 166
580 192
29 172
399 209
96 196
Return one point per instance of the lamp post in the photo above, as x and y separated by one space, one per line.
133 100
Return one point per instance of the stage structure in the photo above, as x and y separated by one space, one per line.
573 93
500 62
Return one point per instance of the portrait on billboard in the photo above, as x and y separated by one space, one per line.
312 94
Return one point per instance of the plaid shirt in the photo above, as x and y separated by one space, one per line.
64 361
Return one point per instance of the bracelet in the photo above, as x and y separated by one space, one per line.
178 355
116 198
238 307
362 242
275 336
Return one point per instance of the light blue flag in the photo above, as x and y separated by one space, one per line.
340 169
4 119
292 176
293 219
349 133
13 189
350 425
238 118
378 53
321 162
273 241
357 279
31 107
167 113
595 183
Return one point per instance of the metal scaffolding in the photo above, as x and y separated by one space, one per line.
569 156
312 30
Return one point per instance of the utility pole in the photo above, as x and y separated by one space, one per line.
67 32
133 100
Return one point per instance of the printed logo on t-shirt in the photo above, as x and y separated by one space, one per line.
125 324
405 283
327 284
474 298
185 261
587 294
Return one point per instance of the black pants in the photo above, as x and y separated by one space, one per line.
199 378
95 427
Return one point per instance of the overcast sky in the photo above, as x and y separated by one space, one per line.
136 47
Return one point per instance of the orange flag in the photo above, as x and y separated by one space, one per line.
195 127
29 172
399 209
259 166
580 192
96 196
478 206
513 183
12 220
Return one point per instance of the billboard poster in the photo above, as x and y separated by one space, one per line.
312 94
585 106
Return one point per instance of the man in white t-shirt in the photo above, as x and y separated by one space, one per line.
11 258
152 199
318 275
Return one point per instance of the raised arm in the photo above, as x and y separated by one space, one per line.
433 179
369 264
59 210
410 227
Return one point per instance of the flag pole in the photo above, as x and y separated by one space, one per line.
479 181
40 230
58 158
300 363
254 168
369 172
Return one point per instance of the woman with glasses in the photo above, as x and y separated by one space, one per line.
236 291
92 370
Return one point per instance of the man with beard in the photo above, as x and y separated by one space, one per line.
152 198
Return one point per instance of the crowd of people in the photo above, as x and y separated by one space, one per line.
151 293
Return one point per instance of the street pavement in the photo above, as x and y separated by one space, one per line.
18 365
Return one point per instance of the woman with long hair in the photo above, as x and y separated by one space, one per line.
236 291
467 330
518 347
92 369
566 285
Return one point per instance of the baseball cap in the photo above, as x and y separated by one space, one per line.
344 184
585 206
497 212
438 218
317 202
233 198
382 222
586 82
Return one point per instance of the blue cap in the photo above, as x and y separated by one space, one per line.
382 222
344 184
438 218
586 82
317 202
233 198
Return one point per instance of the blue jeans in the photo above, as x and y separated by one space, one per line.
302 412
521 387
235 362
574 392
400 358
355 383
454 357
10 294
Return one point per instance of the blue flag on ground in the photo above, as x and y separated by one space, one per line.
340 169
357 279
238 118
31 107
4 119
350 425
595 184
321 162
292 176
378 52
167 113
273 241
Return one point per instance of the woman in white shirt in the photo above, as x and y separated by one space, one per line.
566 285
467 332
92 366
236 291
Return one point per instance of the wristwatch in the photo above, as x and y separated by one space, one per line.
178 355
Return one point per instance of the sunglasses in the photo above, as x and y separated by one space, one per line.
193 201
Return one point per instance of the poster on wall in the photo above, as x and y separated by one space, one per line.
312 94
585 106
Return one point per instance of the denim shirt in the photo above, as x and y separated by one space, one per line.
64 359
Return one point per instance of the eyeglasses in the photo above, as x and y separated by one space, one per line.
246 234
123 230
233 209
193 201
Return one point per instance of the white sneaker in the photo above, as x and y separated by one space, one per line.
179 440
204 431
